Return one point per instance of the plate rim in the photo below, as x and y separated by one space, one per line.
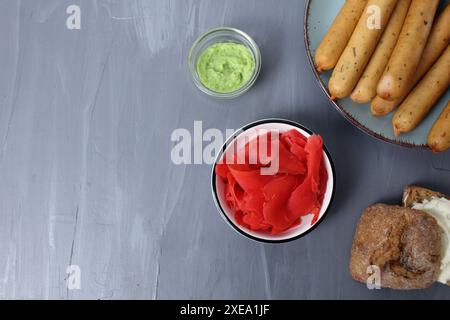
337 106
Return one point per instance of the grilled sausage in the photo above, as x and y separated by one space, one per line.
437 42
422 99
359 49
334 42
366 89
439 136
403 63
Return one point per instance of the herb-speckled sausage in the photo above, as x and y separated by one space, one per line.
437 42
439 137
403 63
366 89
334 42
422 99
359 49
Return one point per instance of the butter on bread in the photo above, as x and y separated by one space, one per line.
413 195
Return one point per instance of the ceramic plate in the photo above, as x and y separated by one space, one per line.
319 14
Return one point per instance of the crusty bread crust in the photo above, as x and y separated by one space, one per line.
414 194
404 243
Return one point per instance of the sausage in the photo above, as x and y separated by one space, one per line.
334 42
437 42
366 89
359 49
420 101
381 107
439 136
403 63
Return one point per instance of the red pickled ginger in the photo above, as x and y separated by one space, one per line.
276 203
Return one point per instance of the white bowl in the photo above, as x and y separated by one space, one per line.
217 185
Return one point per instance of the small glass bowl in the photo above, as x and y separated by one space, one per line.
221 35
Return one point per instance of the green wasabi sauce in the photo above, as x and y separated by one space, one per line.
225 67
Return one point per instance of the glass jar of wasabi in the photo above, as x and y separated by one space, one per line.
224 62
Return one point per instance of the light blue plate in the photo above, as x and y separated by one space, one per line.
319 14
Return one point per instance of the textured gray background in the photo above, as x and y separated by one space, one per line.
85 171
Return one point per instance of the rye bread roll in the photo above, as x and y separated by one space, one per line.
404 243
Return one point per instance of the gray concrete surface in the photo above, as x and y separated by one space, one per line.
85 171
